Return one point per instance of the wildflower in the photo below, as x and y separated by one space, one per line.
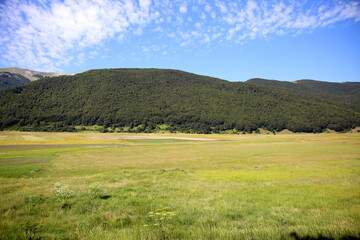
61 191
161 216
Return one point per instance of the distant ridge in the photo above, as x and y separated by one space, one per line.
346 94
14 77
8 80
145 100
31 74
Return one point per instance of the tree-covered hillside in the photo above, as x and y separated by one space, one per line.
150 97
345 94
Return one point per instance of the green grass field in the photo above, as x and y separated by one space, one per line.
66 186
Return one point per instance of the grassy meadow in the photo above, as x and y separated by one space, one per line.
291 186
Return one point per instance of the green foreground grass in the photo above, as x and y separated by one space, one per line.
300 186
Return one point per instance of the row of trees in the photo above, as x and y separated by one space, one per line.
190 128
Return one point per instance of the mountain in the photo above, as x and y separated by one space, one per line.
13 77
8 80
346 94
143 99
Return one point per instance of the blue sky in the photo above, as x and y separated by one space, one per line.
233 40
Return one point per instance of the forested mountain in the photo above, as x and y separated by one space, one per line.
145 98
13 77
345 94
8 80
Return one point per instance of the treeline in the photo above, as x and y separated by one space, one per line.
141 100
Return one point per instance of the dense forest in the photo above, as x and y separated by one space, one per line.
141 100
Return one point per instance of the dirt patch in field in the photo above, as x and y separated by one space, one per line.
18 161
99 137
45 146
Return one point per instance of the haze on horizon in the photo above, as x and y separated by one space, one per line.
234 40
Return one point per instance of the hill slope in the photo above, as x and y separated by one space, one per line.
8 80
345 94
13 77
147 97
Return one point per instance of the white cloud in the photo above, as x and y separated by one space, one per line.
44 36
221 6
261 19
183 8
208 7
49 34
139 31
145 4
206 38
